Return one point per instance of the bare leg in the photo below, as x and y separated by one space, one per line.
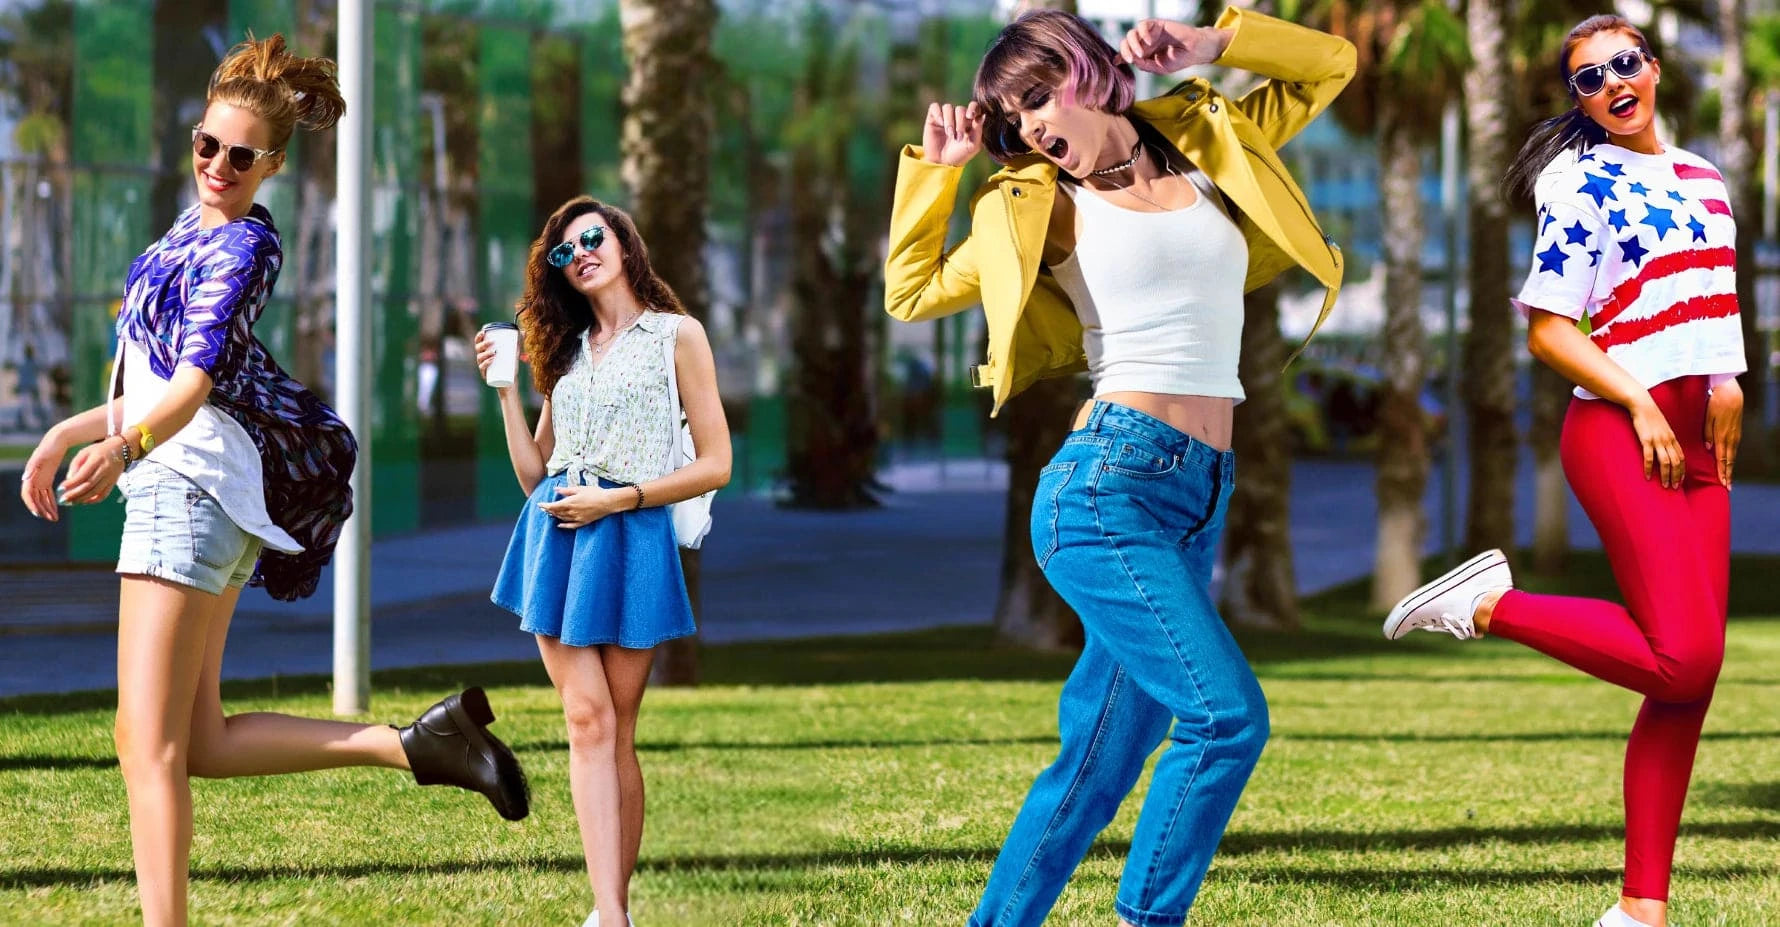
262 743
627 673
580 679
160 655
1486 606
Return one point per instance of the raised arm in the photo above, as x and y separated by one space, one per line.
1306 69
922 280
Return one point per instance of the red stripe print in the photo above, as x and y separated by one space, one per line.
1687 310
1655 269
1718 206
1691 172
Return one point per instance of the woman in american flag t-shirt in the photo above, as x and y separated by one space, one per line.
1635 237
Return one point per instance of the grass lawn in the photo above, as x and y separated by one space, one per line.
869 781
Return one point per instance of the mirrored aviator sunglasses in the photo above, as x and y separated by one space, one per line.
1593 79
591 239
241 157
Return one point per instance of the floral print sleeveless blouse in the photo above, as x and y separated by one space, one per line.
614 419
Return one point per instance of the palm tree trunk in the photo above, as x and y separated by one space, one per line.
666 152
1737 160
1403 460
1489 351
1028 612
1260 585
1551 521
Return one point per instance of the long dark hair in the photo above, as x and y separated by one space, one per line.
1573 130
553 315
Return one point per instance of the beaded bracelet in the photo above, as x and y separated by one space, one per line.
638 487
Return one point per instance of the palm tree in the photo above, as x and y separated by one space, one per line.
838 208
1028 612
1736 158
665 147
1489 351
1412 57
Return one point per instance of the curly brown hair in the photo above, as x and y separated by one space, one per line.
553 315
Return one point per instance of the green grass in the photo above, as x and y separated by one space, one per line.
869 781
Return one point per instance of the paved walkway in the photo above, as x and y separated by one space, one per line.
930 557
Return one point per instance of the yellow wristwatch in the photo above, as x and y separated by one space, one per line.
148 440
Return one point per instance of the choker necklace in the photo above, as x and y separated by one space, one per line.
1127 164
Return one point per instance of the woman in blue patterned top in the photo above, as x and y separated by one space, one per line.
233 473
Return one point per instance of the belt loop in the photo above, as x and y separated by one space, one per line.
1096 412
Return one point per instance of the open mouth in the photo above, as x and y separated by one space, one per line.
586 271
217 184
1057 148
1623 105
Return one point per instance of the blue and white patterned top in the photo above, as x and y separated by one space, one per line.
191 300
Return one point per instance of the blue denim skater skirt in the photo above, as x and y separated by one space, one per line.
616 581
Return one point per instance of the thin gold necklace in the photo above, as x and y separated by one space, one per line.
601 344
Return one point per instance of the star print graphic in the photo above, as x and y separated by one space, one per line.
1632 250
1576 235
1659 219
1676 196
1697 227
1594 257
1601 188
1616 218
1614 169
1639 188
1545 220
1586 157
1552 259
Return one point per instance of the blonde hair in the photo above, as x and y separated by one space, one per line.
264 78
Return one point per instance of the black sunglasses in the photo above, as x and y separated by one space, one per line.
562 254
241 157
1593 79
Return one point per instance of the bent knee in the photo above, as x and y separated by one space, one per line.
1688 680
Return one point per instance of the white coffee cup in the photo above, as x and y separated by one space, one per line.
504 336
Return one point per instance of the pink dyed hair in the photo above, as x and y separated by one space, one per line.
1047 50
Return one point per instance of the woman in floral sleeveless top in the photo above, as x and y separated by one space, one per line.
593 570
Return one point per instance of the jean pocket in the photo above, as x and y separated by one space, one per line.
217 542
1047 508
1140 460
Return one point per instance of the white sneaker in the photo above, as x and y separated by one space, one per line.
1616 917
1447 603
593 920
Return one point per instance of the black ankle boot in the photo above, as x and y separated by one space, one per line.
449 744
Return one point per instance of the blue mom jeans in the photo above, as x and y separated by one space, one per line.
1125 525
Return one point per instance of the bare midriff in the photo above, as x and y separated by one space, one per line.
1205 418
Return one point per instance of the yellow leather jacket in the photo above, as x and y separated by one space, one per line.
1033 329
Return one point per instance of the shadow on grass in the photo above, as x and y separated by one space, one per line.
1234 845
1760 796
669 746
1339 623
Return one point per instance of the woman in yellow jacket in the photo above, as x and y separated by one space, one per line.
1119 238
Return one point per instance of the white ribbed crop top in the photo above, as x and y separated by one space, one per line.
1159 294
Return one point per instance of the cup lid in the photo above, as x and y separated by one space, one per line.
493 326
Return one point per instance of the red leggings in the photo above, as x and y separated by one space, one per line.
1670 552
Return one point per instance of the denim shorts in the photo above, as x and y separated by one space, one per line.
177 532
